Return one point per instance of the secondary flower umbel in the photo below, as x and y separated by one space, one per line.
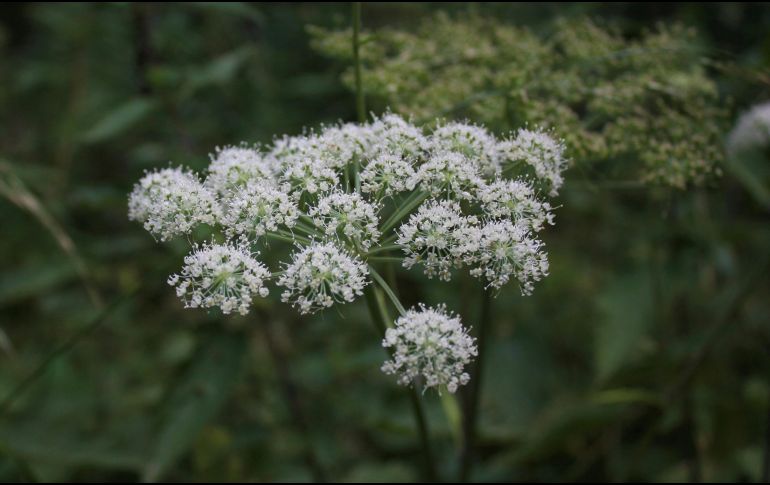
430 348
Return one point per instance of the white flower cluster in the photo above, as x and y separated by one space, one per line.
171 202
220 275
435 237
515 199
387 175
352 195
751 132
257 208
429 347
235 166
348 216
320 275
540 151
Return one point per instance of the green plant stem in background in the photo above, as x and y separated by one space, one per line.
381 320
360 102
473 392
293 401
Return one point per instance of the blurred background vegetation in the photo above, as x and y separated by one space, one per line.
644 356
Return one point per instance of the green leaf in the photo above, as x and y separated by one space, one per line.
218 72
34 280
196 399
626 309
119 120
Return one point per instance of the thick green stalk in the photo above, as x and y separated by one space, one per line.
473 393
382 321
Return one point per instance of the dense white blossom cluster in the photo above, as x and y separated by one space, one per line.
235 166
388 174
320 275
517 200
171 202
220 275
540 151
348 216
434 236
430 347
350 196
257 208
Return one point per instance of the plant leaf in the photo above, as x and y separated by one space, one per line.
626 307
119 120
196 399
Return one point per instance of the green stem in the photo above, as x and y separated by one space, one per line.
382 321
279 237
473 394
410 203
360 101
384 259
388 291
382 249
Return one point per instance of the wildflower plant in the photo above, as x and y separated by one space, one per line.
351 197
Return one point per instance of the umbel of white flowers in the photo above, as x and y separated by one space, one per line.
350 196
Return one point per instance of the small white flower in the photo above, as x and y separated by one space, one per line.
320 275
450 175
171 202
387 175
347 216
751 132
309 175
257 208
508 251
474 142
539 150
429 347
220 275
514 199
342 145
391 134
234 166
438 237
141 198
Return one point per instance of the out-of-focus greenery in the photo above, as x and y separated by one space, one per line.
647 98
645 355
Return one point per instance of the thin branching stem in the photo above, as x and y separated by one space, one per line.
382 249
414 199
382 321
388 290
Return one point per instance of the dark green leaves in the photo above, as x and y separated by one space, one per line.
196 399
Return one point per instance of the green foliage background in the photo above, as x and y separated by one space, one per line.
644 356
